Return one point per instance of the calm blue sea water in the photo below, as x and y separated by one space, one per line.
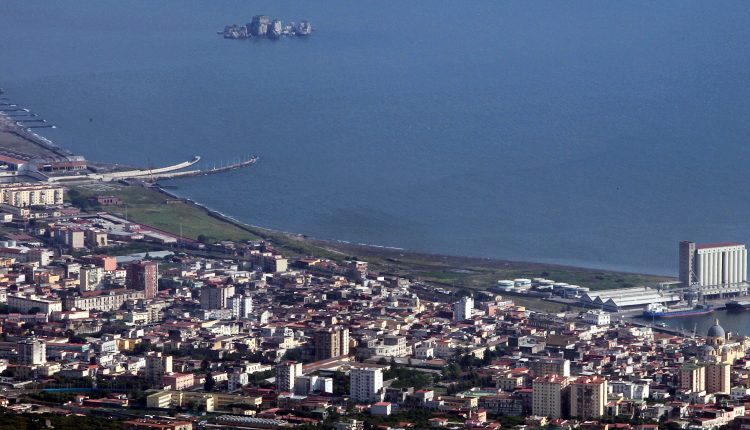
582 132
735 322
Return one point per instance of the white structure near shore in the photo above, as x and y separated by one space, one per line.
627 298
714 264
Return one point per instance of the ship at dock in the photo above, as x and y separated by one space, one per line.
738 305
659 310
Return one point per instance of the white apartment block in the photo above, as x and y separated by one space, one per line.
32 351
597 317
286 375
25 303
366 384
157 365
462 309
630 390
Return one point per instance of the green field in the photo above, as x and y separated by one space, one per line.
481 273
148 206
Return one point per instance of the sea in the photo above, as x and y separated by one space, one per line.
732 322
585 132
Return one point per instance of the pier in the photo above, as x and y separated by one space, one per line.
233 166
151 175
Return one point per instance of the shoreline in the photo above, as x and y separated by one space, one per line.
392 256
365 250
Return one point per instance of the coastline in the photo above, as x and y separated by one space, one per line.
451 271
457 271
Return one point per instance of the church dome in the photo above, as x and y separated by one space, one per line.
716 330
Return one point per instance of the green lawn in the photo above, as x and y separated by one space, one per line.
149 207
480 273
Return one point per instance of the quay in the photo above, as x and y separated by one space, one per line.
151 175
233 166
662 329
23 153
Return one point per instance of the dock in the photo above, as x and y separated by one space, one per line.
152 175
234 166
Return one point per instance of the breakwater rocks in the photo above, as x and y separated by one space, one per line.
263 26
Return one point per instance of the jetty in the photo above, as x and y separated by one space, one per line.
234 166
151 175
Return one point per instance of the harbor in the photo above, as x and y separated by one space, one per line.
28 156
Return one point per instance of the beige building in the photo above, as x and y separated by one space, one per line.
551 366
210 401
693 377
90 277
588 396
331 342
157 365
550 396
216 297
509 381
718 378
26 194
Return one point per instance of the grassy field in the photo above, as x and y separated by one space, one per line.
481 273
148 206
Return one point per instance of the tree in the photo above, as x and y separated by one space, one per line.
210 383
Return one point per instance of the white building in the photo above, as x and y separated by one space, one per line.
366 384
241 306
596 317
304 385
389 346
630 390
25 303
462 309
713 264
32 351
237 380
286 374
381 409
157 365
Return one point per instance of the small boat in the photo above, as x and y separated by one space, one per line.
659 310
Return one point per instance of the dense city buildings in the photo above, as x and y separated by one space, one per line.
252 337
